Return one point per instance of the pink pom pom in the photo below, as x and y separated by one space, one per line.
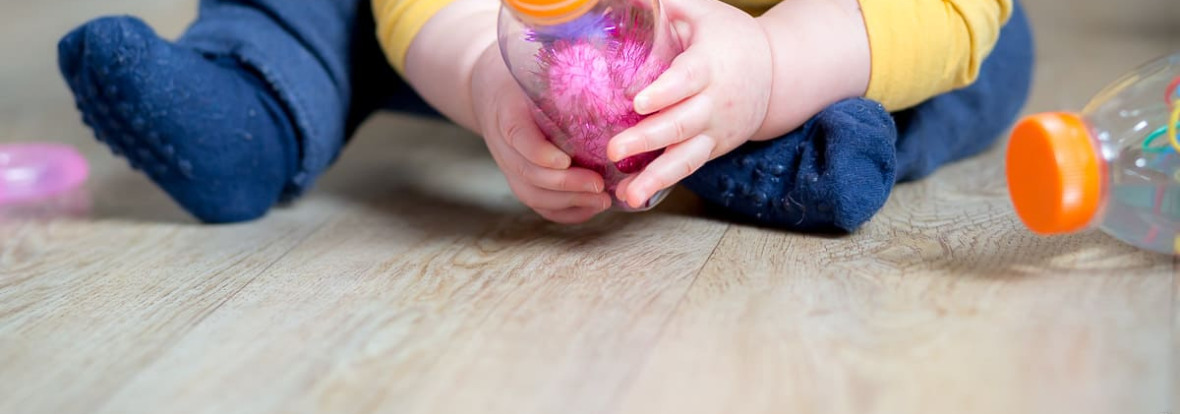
589 139
580 82
627 60
589 94
637 163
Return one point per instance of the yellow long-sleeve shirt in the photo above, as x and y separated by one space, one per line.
920 48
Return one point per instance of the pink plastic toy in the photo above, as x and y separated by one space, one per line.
36 171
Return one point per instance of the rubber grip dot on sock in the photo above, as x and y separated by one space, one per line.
186 168
777 169
759 198
725 183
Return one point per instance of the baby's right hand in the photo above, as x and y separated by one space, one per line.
537 171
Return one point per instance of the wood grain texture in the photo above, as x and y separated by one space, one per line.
86 306
917 314
965 311
393 316
410 281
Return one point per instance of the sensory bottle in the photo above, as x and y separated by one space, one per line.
1113 166
581 62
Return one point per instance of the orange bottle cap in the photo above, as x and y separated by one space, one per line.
1055 175
550 11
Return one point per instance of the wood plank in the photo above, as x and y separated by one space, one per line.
408 306
86 302
922 312
945 303
84 306
410 281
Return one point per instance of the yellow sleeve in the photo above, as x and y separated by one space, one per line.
398 22
923 48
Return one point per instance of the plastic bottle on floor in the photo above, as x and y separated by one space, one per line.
581 62
1114 166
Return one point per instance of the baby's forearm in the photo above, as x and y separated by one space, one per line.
442 57
820 52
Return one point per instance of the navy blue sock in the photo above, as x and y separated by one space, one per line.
837 170
204 128
831 174
963 123
295 77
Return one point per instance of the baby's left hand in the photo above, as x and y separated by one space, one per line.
711 100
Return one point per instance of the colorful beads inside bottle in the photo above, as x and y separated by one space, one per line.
1145 200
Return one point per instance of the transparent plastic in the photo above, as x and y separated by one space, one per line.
34 171
1128 122
42 180
582 75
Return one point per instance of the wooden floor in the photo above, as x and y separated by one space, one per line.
410 282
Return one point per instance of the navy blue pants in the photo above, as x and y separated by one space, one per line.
320 72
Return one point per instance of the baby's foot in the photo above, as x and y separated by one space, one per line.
203 128
832 174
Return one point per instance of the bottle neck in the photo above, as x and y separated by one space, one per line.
1103 160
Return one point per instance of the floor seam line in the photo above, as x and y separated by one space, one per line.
663 327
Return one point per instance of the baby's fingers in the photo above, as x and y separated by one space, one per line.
539 199
522 134
675 164
572 180
689 74
678 124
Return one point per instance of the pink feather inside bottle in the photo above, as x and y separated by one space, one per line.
583 76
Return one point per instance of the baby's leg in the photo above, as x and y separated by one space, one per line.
244 110
836 172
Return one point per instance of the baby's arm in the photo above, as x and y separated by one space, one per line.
447 51
820 54
897 52
435 44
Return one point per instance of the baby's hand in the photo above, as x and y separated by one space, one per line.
711 100
537 171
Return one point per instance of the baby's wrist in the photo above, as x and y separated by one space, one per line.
483 75
822 74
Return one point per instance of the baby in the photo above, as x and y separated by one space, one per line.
800 114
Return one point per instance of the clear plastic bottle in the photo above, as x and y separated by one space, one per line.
581 62
1114 166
